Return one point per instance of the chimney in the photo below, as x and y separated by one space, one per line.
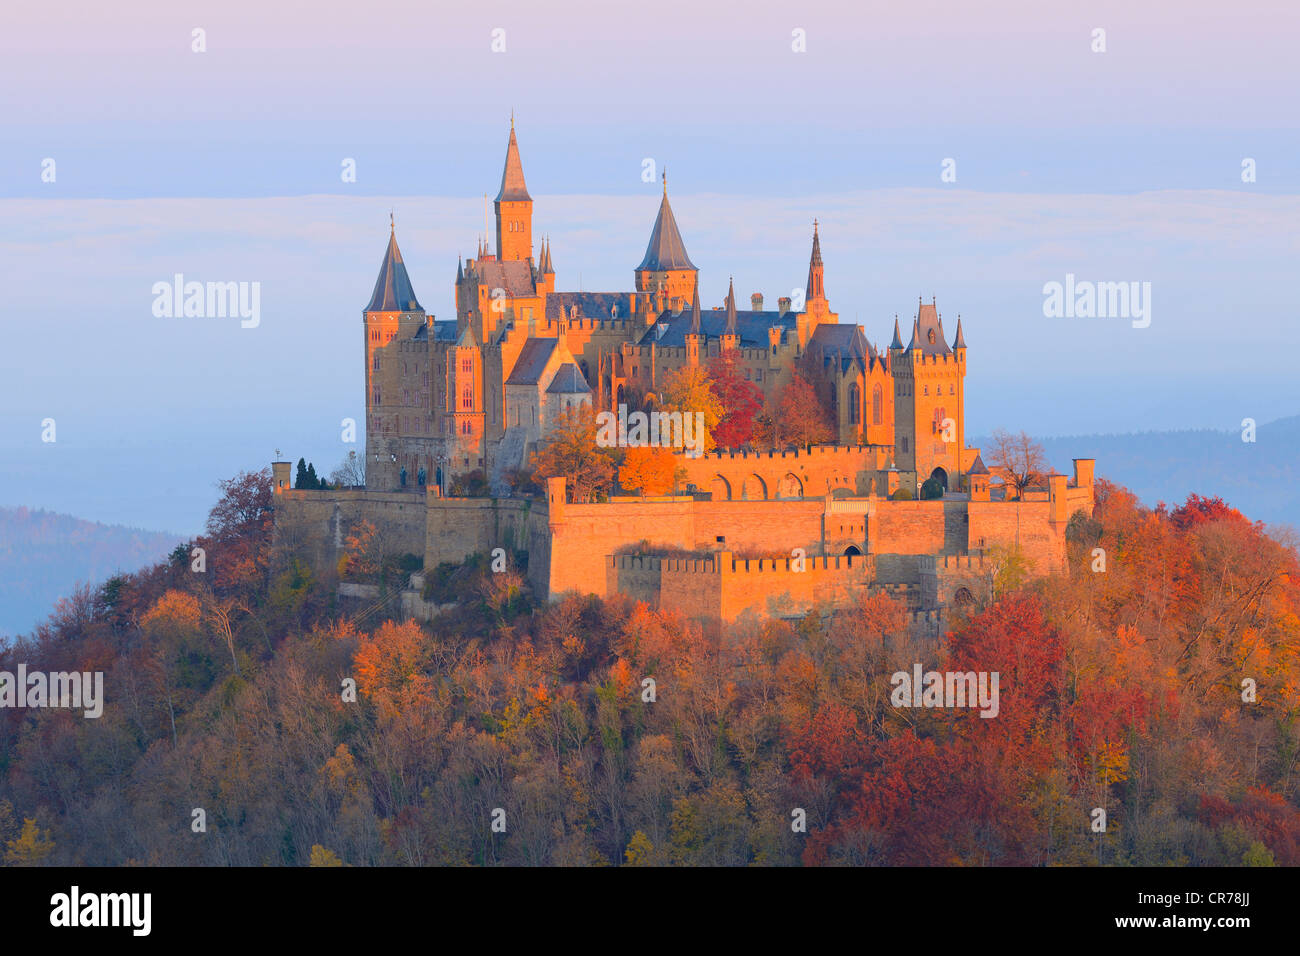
783 304
756 302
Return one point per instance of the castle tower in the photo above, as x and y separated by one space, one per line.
666 269
391 305
464 398
514 208
695 337
929 401
817 309
730 338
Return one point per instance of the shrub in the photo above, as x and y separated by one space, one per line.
902 494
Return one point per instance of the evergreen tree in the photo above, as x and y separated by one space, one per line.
300 479
312 481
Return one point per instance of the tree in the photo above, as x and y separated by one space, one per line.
802 416
351 472
300 476
312 481
689 390
362 553
245 506
571 452
652 471
740 398
931 488
1021 461
31 847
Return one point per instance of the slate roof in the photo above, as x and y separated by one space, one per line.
977 467
393 292
513 188
847 339
666 249
568 380
927 321
752 327
532 362
591 305
515 276
444 331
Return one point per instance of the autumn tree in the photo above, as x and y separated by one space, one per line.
801 414
351 472
689 390
1021 460
362 553
570 452
740 398
651 471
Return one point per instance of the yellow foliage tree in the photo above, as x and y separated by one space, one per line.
323 857
652 471
30 847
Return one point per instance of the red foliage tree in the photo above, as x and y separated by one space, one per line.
741 400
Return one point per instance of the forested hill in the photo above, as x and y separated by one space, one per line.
44 555
1160 688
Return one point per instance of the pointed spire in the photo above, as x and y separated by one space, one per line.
898 339
816 271
960 341
460 270
393 292
513 188
666 250
916 336
695 312
731 307
546 267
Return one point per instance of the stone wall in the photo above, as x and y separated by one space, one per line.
316 524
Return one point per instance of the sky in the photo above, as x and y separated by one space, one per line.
225 165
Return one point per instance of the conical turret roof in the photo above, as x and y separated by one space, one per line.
666 250
513 188
393 292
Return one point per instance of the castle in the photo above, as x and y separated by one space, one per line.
480 392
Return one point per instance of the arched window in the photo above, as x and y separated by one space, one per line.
467 397
853 402
877 401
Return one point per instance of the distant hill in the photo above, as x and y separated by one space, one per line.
44 555
1261 479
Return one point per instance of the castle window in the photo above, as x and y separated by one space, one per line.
877 400
377 401
952 389
465 428
853 404
467 366
467 397
904 444
758 375
376 362
746 375
925 390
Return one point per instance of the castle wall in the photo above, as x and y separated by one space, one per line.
316 524
823 470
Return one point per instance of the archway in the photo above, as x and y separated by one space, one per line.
754 489
720 488
789 487
853 551
942 477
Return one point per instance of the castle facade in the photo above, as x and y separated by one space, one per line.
770 533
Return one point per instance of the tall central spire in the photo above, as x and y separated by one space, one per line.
816 288
514 207
513 188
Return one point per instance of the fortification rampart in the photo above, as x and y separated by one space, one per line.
316 524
